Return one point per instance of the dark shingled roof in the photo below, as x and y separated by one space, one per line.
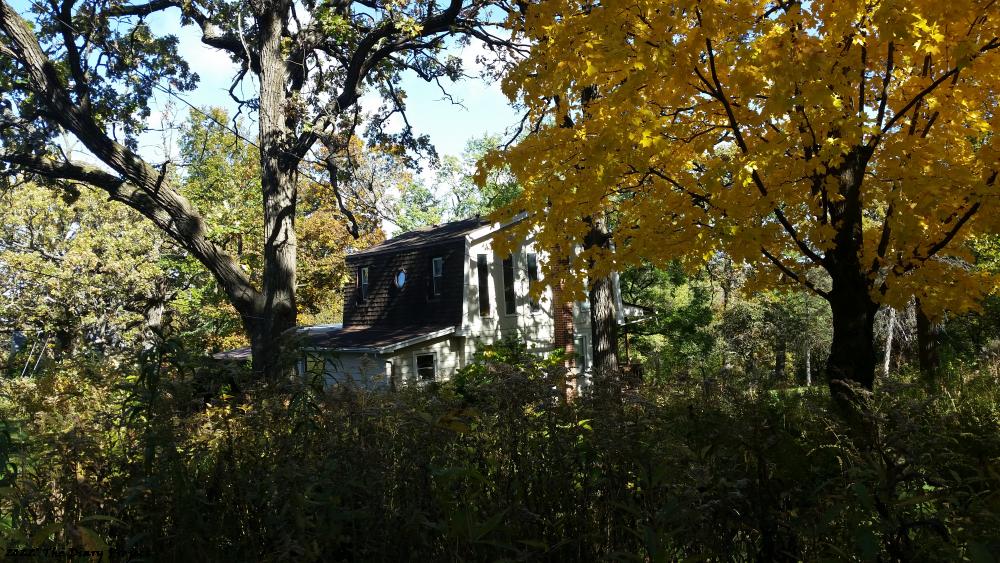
426 236
363 339
376 339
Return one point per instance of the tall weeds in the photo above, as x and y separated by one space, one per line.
194 464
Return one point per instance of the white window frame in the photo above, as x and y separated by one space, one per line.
483 281
363 283
437 275
581 352
416 366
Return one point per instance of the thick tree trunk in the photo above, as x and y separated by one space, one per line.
278 183
852 354
603 313
928 337
604 326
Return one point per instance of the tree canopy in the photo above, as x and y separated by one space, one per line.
853 140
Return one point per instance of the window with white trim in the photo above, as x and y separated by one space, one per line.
484 284
437 275
426 365
363 283
580 348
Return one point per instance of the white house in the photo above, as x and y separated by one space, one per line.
422 303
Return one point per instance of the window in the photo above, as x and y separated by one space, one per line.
532 260
426 367
437 275
484 285
363 283
400 279
581 351
509 297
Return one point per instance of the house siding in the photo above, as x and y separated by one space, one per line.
389 306
536 329
447 350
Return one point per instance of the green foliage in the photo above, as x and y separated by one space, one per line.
494 466
466 198
454 193
418 207
78 273
675 339
493 362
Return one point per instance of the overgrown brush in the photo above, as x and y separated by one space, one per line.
173 465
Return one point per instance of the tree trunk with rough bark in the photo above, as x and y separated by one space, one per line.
603 321
278 183
852 358
852 353
603 313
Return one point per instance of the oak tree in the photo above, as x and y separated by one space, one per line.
90 67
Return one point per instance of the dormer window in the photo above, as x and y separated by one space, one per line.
437 275
363 283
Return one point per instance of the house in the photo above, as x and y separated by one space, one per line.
422 303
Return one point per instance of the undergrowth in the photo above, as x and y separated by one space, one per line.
192 464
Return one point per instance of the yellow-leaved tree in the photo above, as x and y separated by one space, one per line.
851 137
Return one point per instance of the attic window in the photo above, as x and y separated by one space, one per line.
437 275
400 279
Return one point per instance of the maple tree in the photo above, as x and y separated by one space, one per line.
846 146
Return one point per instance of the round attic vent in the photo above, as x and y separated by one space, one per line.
400 279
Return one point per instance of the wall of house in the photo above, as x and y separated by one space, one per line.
449 353
534 328
414 304
372 371
346 368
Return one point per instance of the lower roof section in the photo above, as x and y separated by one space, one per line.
376 340
355 339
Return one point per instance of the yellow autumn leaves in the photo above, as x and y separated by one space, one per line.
701 125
